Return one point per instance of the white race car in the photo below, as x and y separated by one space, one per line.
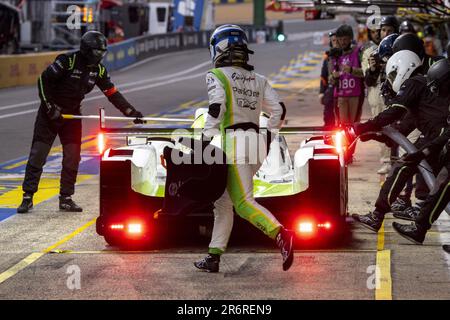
305 189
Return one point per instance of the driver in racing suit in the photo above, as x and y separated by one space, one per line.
237 95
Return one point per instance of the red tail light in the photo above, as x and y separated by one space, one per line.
325 225
339 141
134 228
117 226
101 143
305 227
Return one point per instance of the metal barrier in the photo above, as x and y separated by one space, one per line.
24 69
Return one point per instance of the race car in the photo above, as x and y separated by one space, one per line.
305 188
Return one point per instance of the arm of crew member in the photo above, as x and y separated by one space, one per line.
112 93
324 74
217 106
406 99
273 106
51 76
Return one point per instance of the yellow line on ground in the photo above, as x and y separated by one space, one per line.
20 266
87 143
384 291
30 259
48 187
380 239
70 236
383 261
306 68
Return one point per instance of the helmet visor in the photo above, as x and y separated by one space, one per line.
391 76
99 53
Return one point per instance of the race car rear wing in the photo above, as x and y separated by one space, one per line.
168 132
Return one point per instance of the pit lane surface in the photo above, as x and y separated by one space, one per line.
42 253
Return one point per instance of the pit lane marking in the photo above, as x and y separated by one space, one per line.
383 267
33 257
48 188
384 291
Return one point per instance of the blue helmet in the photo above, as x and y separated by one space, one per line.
385 47
224 38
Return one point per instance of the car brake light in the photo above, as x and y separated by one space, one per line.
117 226
305 227
339 141
134 228
101 143
325 225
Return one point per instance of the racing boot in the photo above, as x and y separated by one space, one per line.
27 203
372 220
409 214
446 247
210 263
68 205
285 241
413 232
400 205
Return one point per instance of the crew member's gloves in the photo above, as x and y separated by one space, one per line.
133 113
413 159
53 111
377 136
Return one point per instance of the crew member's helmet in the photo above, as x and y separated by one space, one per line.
438 76
344 31
389 21
429 30
385 47
93 47
230 42
411 42
407 27
400 67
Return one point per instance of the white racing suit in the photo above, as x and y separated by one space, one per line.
236 98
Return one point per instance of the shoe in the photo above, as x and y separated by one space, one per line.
400 205
210 263
372 220
27 203
409 214
446 247
412 232
285 241
68 205
385 168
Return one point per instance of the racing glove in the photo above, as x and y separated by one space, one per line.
133 113
53 111
413 159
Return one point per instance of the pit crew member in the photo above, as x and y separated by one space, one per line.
62 87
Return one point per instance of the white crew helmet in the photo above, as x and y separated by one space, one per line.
224 38
400 66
